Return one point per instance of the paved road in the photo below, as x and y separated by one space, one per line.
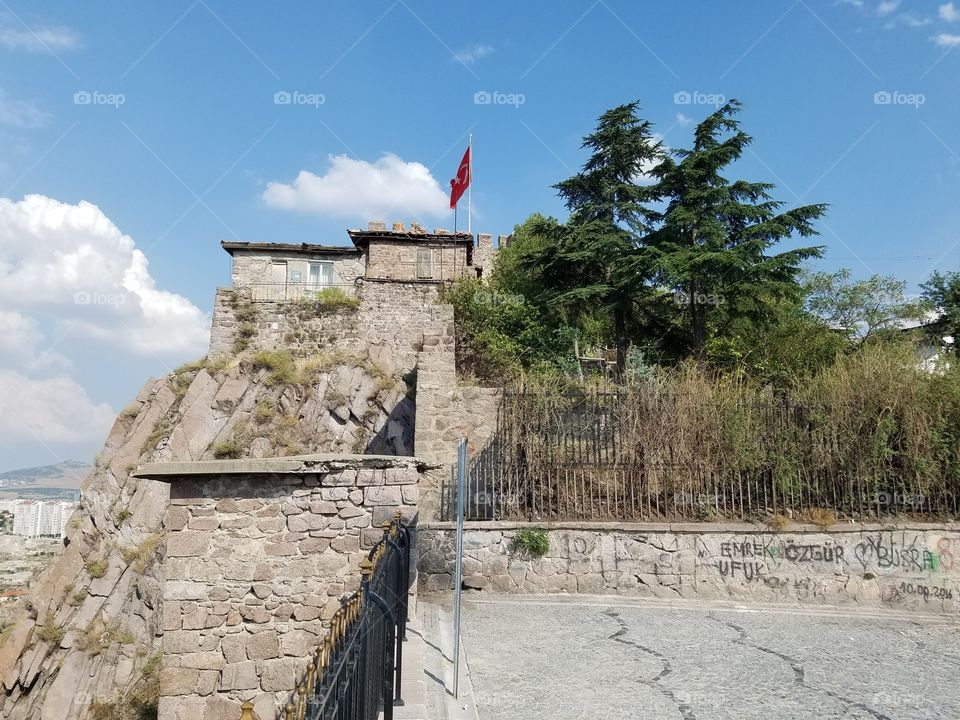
532 659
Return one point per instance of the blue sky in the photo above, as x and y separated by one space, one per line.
147 133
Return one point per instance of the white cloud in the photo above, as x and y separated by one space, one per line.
470 55
52 410
887 6
947 40
683 120
911 20
72 262
362 190
949 12
20 113
14 36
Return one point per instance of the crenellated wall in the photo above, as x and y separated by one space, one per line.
258 555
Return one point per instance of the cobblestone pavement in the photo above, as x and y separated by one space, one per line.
534 658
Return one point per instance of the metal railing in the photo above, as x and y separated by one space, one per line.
296 291
355 674
580 460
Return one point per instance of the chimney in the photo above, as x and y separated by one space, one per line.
441 231
416 227
398 227
376 226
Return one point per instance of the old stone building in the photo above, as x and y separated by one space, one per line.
287 271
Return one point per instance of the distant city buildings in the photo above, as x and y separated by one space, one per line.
36 518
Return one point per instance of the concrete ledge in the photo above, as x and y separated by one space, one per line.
695 528
295 464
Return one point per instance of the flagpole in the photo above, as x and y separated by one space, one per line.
470 186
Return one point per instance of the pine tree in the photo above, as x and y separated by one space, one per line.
713 247
586 263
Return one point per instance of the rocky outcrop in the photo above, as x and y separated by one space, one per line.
89 635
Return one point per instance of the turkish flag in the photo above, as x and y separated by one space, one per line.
459 184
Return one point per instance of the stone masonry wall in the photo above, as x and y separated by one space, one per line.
914 567
391 322
256 563
446 412
254 267
392 258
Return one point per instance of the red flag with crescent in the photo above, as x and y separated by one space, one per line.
459 184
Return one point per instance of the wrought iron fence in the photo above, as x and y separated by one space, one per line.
355 674
583 462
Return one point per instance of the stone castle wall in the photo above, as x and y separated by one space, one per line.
391 258
389 323
909 568
259 555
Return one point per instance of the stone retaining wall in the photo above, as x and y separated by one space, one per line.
914 567
259 554
390 322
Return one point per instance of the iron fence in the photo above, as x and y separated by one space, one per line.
582 462
355 674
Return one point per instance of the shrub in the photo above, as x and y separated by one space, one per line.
78 597
778 522
50 633
281 365
265 410
139 556
325 300
226 449
822 517
533 541
97 568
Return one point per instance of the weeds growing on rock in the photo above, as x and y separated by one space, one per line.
226 449
97 568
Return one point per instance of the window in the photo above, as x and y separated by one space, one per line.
321 273
424 263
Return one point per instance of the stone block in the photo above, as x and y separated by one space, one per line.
239 676
183 590
280 549
233 648
263 645
382 495
188 543
279 675
202 660
178 681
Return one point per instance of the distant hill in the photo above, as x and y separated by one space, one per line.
62 479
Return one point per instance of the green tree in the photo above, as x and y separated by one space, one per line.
584 264
712 248
942 294
861 309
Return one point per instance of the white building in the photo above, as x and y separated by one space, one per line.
34 518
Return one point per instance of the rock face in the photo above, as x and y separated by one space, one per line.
89 635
